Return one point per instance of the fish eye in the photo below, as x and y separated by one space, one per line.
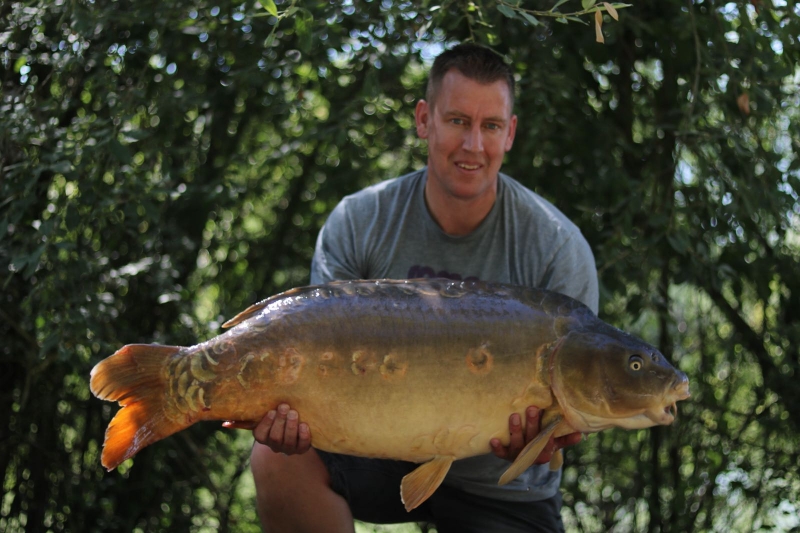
636 363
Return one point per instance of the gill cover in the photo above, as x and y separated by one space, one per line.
603 377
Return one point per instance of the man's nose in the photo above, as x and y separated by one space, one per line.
473 139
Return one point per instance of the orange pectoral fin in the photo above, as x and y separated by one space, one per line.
418 486
557 461
530 452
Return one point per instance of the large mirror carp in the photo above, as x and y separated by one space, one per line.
419 370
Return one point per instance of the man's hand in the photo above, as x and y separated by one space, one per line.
280 429
520 438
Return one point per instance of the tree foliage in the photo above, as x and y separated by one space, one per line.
164 164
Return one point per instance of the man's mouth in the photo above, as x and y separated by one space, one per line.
468 166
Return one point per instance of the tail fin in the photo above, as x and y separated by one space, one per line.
134 377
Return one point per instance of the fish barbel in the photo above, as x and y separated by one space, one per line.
419 370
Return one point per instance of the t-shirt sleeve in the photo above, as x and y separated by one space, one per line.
572 271
335 254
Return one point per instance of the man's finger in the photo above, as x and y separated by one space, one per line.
532 422
278 427
568 440
515 430
290 433
303 438
498 449
262 430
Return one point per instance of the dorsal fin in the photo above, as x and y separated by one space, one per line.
247 313
258 307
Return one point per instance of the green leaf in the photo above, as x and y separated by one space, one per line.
560 2
72 220
507 11
61 167
678 242
577 19
269 5
530 18
120 151
270 40
20 63
32 261
588 3
303 25
135 135
50 342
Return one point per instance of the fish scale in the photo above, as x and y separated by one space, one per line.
419 370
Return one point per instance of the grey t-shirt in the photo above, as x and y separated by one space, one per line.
386 231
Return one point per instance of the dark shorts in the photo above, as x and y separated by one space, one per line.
372 490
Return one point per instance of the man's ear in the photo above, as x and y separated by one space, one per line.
512 131
422 114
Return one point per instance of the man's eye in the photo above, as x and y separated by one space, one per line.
492 126
458 121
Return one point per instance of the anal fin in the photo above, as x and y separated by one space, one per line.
418 486
530 452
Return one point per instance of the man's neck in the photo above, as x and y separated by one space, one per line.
458 216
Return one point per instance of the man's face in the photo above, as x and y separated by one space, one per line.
469 130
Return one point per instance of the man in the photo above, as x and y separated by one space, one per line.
457 218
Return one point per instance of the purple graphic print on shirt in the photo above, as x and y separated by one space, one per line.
419 271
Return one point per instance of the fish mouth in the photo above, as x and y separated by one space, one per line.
662 416
671 411
679 391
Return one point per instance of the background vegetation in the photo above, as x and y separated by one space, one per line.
165 164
